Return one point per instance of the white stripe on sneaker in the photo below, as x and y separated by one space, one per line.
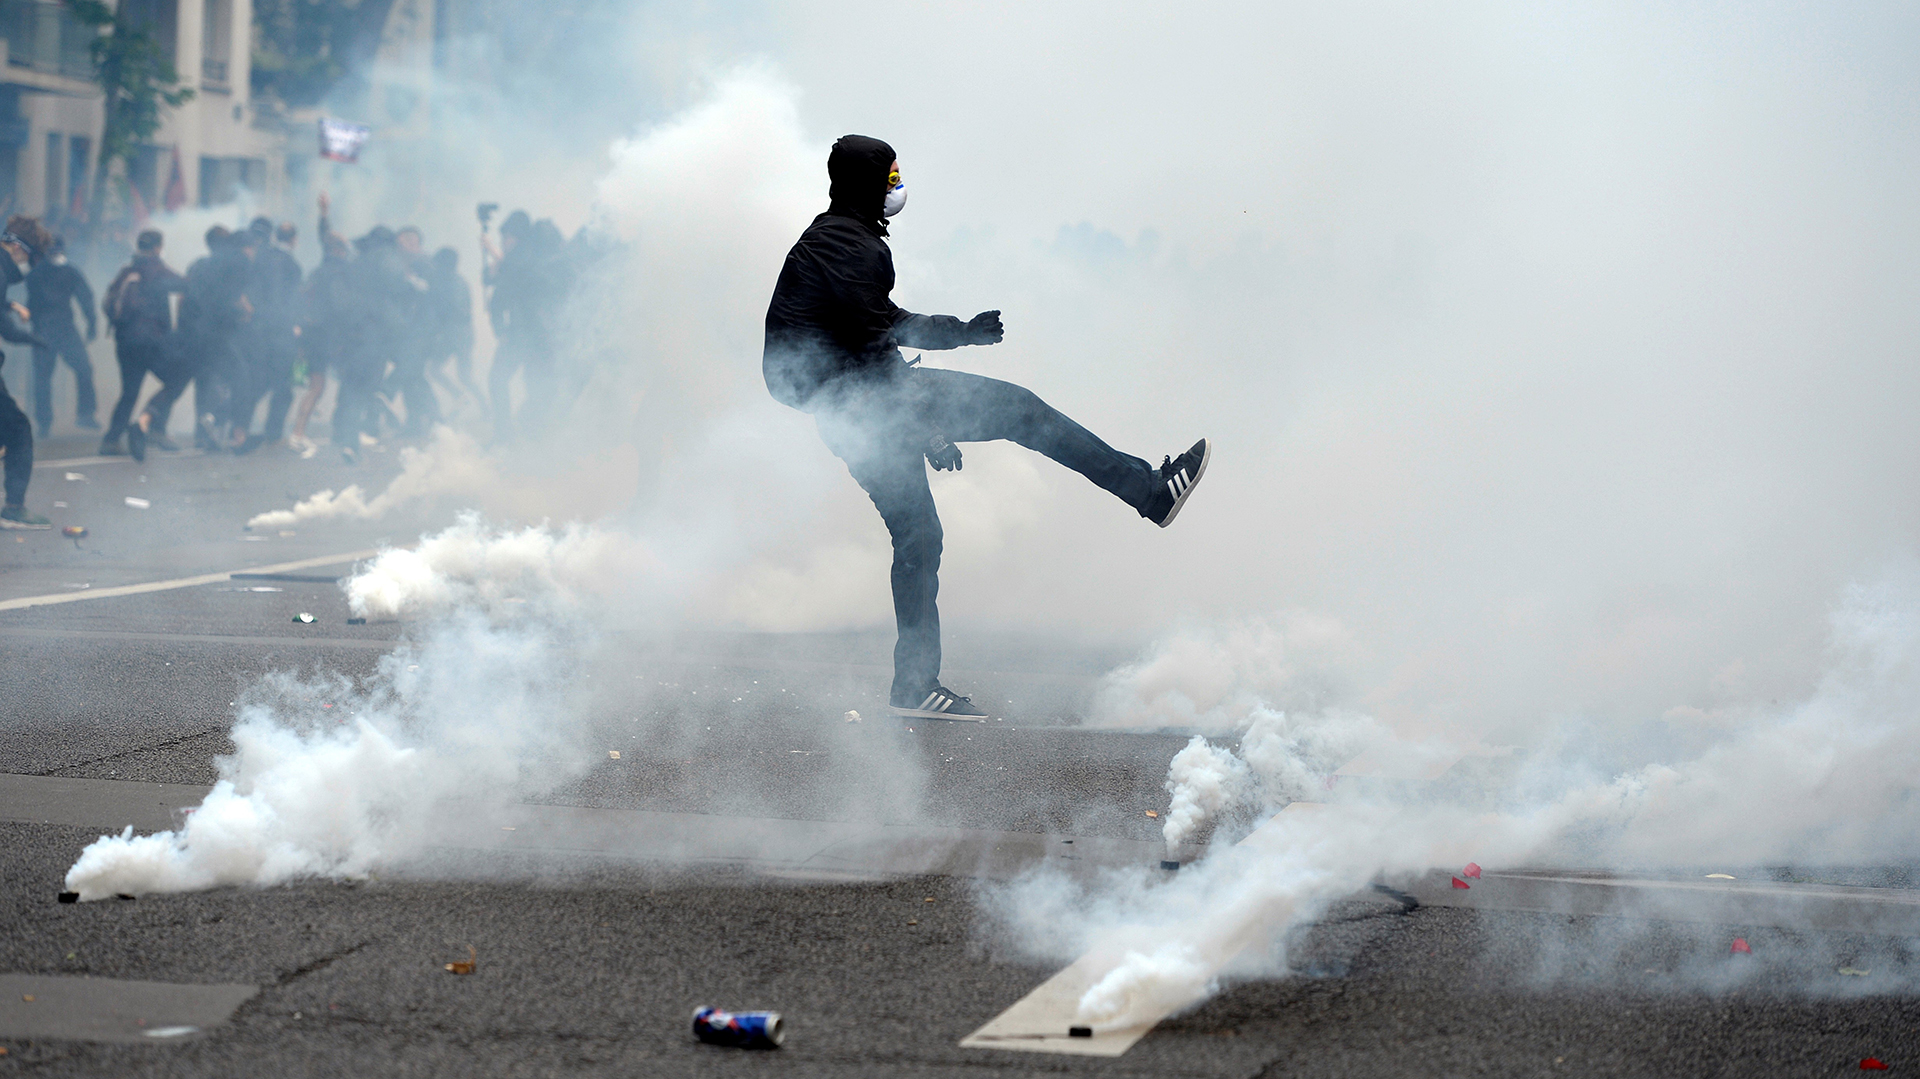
928 703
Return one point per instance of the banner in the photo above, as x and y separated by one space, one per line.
341 140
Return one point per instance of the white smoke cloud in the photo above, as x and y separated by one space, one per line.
1827 781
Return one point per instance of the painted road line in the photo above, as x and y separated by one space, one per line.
1824 907
96 803
373 643
180 582
82 462
790 848
1040 1021
112 1010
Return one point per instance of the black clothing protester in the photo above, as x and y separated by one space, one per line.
267 343
833 339
52 290
138 309
212 312
16 434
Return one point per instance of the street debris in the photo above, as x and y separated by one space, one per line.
1153 814
28 997
69 897
613 754
1721 876
928 899
356 621
852 716
1079 1032
74 532
304 618
1873 1064
76 477
1741 947
1169 865
1472 871
138 503
1854 972
1461 885
473 959
741 1030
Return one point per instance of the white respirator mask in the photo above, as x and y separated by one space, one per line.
896 196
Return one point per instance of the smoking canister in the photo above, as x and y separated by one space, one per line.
742 1030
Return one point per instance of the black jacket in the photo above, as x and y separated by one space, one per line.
52 289
137 305
832 318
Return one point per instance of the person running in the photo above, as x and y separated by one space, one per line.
833 340
54 285
139 311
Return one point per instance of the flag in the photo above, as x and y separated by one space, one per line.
341 140
176 195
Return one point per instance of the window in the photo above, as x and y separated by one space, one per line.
216 42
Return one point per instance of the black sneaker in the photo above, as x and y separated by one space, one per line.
137 437
1178 477
20 517
940 703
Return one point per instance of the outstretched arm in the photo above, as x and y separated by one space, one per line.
945 331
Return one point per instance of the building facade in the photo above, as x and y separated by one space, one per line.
50 111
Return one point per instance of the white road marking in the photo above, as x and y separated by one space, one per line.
180 582
1039 1022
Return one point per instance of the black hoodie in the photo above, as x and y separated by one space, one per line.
832 317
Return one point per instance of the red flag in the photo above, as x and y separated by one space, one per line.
176 195
1472 872
1873 1064
1458 883
1741 947
77 208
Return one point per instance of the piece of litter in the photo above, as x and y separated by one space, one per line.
1873 1064
1472 871
913 921
172 1032
852 716
1152 814
1855 972
69 897
303 618
1721 876
356 621
59 505
1461 884
73 532
28 997
76 476
1079 1032
508 828
1166 864
473 959
1741 947
138 503
928 899
613 754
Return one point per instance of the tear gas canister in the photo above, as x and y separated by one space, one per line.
742 1030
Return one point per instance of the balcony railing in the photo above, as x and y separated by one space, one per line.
45 36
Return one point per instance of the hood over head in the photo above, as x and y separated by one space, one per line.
858 166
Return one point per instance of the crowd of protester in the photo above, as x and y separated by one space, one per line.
388 322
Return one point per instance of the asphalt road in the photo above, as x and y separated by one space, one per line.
591 964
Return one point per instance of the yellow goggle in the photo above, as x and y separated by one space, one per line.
893 180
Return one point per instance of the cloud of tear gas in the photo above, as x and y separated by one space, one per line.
490 698
334 779
1824 782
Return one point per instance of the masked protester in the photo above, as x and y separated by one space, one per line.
833 340
268 343
53 286
139 311
16 434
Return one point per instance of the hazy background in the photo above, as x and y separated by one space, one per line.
1558 359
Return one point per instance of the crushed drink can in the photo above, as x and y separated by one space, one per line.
742 1030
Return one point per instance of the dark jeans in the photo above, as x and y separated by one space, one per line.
881 432
63 345
137 357
409 380
534 360
269 374
16 434
354 408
